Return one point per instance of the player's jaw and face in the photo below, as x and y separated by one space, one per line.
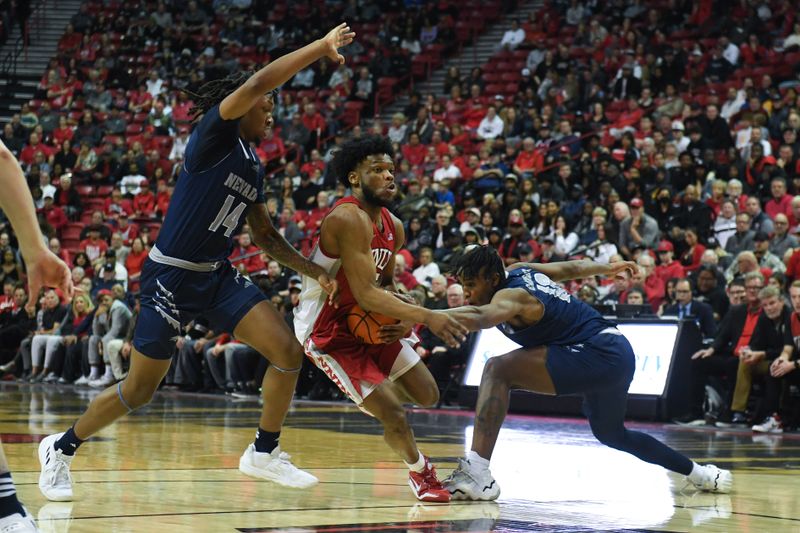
479 290
375 177
254 124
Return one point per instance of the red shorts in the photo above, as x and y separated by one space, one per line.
358 368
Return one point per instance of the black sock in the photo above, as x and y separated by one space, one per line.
9 504
266 441
68 443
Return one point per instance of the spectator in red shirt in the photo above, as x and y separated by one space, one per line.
668 268
93 245
314 163
414 152
140 101
28 154
134 263
163 196
529 161
116 204
690 259
780 202
55 215
144 203
64 132
253 265
402 275
127 231
70 41
274 150
315 124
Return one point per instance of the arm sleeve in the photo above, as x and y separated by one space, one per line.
211 141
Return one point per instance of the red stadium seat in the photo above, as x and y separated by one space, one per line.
84 190
104 191
133 129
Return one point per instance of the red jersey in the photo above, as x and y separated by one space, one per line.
315 317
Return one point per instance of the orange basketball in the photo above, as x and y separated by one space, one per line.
364 325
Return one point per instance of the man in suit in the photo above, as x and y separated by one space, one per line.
627 85
687 306
722 358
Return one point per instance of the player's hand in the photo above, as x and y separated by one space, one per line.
331 286
338 37
781 367
389 333
447 328
702 354
622 266
45 269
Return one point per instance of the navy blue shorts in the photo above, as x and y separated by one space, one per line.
171 297
604 362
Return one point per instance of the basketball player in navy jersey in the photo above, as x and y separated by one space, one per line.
567 348
188 274
43 269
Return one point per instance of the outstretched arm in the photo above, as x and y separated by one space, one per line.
267 237
282 69
44 268
581 268
505 305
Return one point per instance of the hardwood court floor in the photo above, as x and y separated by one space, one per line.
173 468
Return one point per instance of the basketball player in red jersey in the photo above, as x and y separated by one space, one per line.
358 242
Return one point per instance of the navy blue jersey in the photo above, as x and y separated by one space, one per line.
221 178
566 319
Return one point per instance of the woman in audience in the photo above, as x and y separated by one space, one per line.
10 268
134 263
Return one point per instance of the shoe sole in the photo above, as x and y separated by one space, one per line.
43 446
250 471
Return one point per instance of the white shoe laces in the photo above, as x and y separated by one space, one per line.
59 473
462 471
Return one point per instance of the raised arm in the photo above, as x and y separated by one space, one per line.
269 239
581 268
351 230
282 69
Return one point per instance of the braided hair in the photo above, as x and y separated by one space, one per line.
213 92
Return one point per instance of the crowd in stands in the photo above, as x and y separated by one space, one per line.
664 132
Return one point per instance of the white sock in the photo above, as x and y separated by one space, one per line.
109 372
477 462
698 473
95 373
419 466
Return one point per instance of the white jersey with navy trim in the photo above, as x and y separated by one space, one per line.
221 178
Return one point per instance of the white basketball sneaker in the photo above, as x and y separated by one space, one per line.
276 467
16 523
714 480
55 481
468 483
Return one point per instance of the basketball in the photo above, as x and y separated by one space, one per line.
365 325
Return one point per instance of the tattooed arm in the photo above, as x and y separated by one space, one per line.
269 239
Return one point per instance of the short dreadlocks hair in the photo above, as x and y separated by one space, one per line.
353 152
479 261
213 92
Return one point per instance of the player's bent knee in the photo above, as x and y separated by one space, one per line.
429 397
134 397
392 417
494 369
289 358
611 437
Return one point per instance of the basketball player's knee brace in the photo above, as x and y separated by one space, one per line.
287 370
125 403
